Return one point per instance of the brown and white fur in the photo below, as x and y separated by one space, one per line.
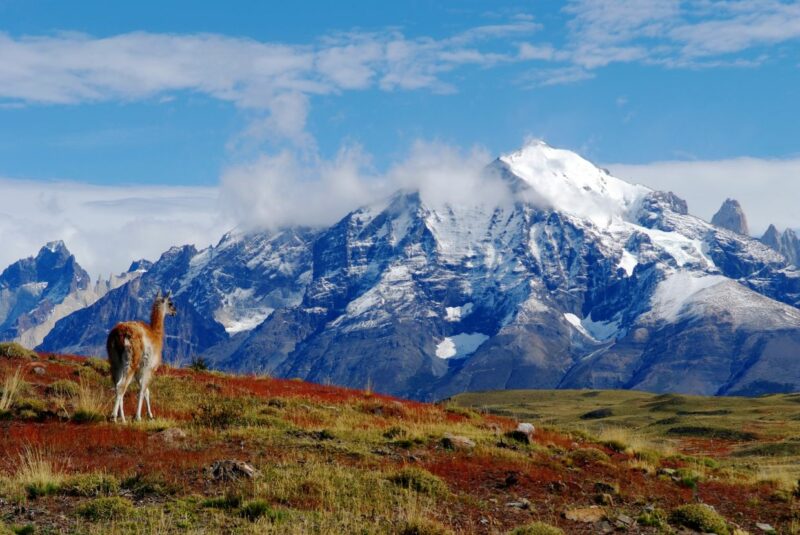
134 350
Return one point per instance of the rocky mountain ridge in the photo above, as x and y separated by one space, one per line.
576 279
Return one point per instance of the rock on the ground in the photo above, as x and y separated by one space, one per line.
231 470
457 442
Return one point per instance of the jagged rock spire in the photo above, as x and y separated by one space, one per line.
731 216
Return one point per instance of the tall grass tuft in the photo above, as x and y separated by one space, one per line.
11 387
90 403
37 474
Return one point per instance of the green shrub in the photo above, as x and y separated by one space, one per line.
536 528
108 508
31 409
63 387
657 518
91 485
419 480
255 509
422 526
42 488
688 478
148 485
27 529
13 350
701 517
86 416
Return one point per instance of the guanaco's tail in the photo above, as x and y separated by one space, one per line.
118 347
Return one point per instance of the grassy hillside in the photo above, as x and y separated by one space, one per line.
332 460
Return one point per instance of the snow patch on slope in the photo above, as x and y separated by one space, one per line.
460 345
628 262
596 330
674 292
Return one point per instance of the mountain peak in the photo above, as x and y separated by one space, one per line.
562 180
731 216
55 246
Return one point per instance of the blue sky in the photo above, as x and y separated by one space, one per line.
184 93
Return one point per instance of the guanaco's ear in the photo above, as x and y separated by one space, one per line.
158 295
169 294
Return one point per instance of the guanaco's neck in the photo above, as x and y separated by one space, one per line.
157 320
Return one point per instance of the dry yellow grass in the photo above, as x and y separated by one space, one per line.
37 473
11 386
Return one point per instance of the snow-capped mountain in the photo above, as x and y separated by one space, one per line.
574 279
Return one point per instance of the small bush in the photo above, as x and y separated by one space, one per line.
536 528
91 485
657 518
198 364
63 388
148 485
422 526
31 409
419 480
701 517
83 416
255 509
227 502
108 508
688 478
13 350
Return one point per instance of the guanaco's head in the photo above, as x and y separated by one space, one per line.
164 302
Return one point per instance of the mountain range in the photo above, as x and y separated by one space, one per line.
564 277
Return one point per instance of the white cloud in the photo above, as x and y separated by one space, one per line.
767 189
105 227
700 34
267 78
285 189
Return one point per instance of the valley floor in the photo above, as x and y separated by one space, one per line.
235 454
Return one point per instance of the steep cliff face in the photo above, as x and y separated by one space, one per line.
574 279
732 217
